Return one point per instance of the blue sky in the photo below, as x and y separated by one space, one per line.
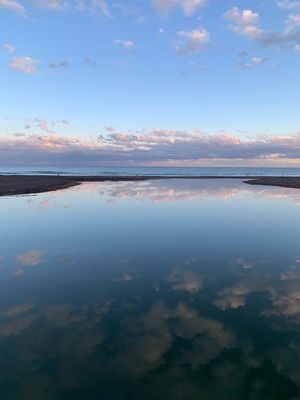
83 72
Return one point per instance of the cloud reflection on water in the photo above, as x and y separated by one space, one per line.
159 191
109 318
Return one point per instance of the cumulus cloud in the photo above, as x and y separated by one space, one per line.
13 6
157 146
241 17
285 304
233 297
25 64
126 44
31 258
10 48
189 7
244 22
292 23
191 41
185 280
190 323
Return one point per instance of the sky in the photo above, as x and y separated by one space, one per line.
150 82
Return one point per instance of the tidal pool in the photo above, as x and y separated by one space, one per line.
167 289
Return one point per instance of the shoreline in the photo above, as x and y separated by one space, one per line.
12 185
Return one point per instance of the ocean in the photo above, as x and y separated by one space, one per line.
157 171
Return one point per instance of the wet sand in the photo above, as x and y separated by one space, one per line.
29 184
288 182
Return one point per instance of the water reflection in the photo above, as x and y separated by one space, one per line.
130 299
178 190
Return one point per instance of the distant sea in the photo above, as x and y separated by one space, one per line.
163 171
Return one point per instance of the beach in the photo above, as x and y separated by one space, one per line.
29 184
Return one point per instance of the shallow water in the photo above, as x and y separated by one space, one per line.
151 290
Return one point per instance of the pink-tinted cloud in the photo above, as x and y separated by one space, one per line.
10 48
244 22
25 64
171 190
154 148
13 5
191 41
31 258
125 44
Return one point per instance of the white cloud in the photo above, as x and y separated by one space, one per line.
163 7
49 4
13 6
189 7
32 258
125 277
297 48
102 6
258 60
288 4
95 6
232 297
191 41
126 44
292 23
253 62
241 17
185 280
244 22
25 64
9 47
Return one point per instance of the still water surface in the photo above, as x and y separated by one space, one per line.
151 290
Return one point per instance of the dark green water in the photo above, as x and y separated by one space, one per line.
151 290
